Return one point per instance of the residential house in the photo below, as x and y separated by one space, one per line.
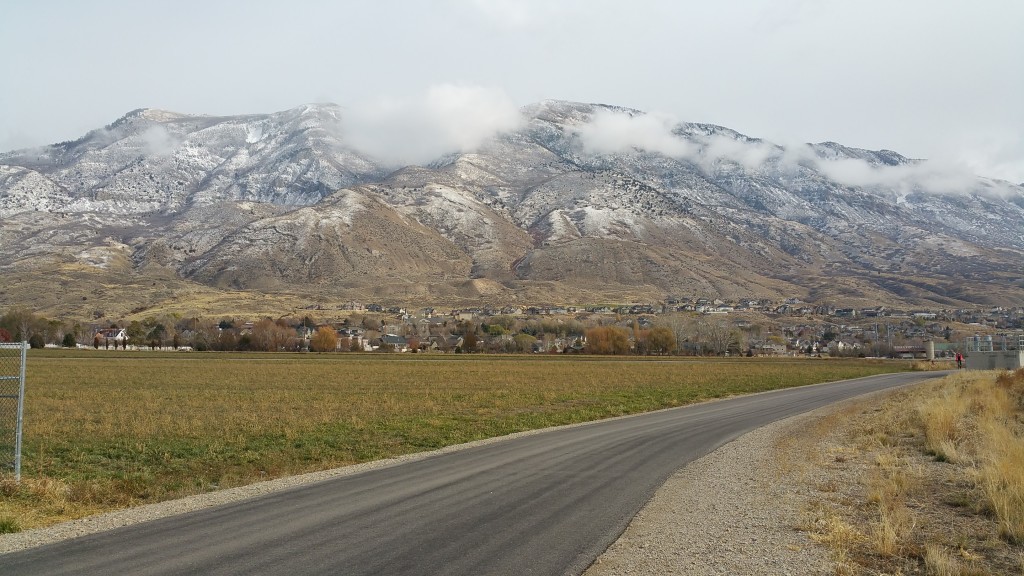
909 352
839 347
444 343
770 349
113 335
464 315
393 342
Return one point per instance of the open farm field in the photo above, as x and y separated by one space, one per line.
105 430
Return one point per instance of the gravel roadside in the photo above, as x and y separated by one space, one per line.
733 511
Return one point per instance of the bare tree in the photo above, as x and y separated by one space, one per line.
681 327
270 336
716 336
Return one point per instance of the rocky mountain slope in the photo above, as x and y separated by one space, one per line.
581 203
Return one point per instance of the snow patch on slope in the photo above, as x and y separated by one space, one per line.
23 190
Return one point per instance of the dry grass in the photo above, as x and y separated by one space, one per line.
77 291
842 538
826 527
933 478
889 487
1002 462
977 424
929 365
939 562
105 430
942 419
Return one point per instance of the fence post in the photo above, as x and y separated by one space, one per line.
12 402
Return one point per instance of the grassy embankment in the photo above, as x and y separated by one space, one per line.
929 481
105 430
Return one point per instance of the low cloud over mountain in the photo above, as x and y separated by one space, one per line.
448 118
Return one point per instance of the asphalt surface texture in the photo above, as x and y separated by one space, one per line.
547 503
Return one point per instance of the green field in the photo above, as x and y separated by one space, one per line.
105 430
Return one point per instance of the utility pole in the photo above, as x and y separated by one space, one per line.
878 346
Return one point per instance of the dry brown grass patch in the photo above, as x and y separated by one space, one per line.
833 531
926 365
893 530
932 478
1002 479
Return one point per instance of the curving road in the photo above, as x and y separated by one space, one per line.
548 503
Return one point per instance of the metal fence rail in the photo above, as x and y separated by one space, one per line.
994 342
12 405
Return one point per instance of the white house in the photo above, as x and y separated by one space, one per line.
107 337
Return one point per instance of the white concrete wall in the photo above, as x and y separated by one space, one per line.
998 360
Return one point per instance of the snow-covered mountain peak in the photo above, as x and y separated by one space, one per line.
157 115
581 194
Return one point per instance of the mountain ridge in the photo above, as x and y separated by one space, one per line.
581 201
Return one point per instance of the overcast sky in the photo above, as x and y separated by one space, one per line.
928 78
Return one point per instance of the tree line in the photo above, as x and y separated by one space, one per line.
501 334
592 334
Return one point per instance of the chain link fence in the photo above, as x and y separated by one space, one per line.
12 401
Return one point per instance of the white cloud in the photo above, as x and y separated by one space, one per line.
613 132
447 118
619 131
750 155
997 153
158 141
925 176
506 13
13 139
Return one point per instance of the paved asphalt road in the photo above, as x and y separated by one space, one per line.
544 504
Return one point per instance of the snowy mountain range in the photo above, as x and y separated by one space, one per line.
579 203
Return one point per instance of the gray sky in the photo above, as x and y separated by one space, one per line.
928 78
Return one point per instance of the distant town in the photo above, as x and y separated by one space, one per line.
673 327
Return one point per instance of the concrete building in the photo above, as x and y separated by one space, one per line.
999 352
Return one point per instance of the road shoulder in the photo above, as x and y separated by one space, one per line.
737 510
